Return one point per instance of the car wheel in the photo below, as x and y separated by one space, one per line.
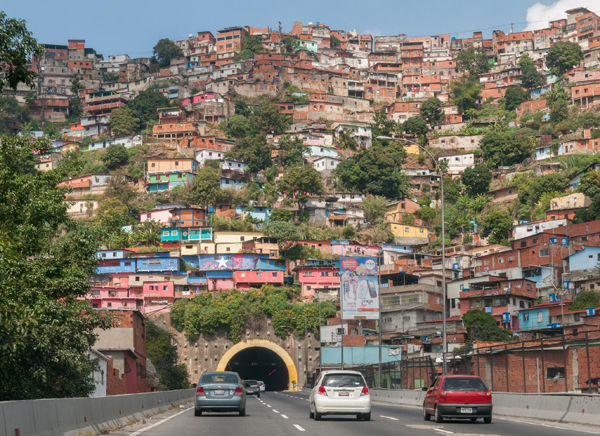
366 416
438 416
197 412
243 412
318 416
487 419
426 416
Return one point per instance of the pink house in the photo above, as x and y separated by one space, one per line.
220 283
318 279
354 250
255 279
201 98
159 289
162 216
113 298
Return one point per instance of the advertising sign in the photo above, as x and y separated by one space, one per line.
359 287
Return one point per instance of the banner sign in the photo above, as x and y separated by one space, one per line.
359 287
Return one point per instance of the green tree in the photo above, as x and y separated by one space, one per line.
482 326
334 41
382 125
477 180
11 114
415 126
590 183
427 213
497 226
51 130
592 213
17 48
376 170
465 93
163 355
205 188
499 149
515 95
562 56
267 118
123 122
241 108
585 299
291 151
45 330
278 214
473 60
115 156
164 51
30 98
559 111
374 208
237 126
556 94
347 141
255 151
431 112
290 44
300 182
283 230
145 106
530 77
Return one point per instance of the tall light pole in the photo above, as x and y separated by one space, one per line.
379 254
437 168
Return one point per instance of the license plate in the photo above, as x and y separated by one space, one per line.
219 392
343 394
466 410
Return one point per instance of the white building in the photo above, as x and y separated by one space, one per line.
326 163
234 165
524 230
100 374
457 163
202 155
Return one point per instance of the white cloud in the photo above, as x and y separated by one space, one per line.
539 14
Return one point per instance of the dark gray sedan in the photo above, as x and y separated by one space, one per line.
252 387
220 392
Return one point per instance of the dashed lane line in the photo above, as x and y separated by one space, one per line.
443 431
275 411
389 417
159 422
298 427
284 416
269 406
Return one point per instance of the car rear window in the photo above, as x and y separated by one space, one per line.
343 380
251 382
219 378
464 384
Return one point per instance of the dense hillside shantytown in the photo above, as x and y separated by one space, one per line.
326 196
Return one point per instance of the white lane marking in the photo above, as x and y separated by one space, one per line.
269 406
443 431
159 422
284 416
298 427
275 411
389 417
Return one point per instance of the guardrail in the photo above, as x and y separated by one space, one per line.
564 408
84 416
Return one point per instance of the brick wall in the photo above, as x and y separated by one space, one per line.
115 382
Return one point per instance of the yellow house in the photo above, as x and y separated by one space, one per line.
409 234
411 148
231 242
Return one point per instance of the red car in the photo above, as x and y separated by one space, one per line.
458 396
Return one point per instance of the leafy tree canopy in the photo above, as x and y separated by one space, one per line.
499 149
145 106
283 230
17 48
477 180
278 214
497 226
415 126
590 183
473 60
530 76
431 112
291 151
376 170
162 353
563 55
482 326
382 125
115 156
255 151
267 118
205 188
300 182
374 208
465 93
592 213
123 122
515 95
164 51
585 299
11 114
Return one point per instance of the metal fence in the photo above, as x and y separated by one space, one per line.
405 374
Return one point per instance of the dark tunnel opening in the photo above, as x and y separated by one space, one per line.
261 364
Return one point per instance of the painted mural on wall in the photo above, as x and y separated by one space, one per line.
216 262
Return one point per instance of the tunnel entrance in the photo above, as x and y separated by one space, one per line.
261 364
257 359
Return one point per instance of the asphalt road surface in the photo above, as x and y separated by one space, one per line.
286 413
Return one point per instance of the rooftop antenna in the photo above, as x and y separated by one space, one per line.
511 27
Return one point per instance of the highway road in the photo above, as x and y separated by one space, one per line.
286 413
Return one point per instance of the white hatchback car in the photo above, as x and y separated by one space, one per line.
340 393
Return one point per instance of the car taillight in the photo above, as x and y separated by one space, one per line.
442 396
365 391
322 390
488 393
200 391
238 391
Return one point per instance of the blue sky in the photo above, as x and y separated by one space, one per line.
134 27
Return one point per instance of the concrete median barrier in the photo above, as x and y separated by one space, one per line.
76 416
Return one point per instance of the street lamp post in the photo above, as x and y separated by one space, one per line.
437 168
379 254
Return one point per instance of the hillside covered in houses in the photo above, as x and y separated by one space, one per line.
243 163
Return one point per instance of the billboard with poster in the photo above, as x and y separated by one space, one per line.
359 287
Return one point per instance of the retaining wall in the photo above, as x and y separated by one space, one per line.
566 408
83 416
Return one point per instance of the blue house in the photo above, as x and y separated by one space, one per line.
261 213
158 264
229 183
270 265
112 254
116 266
196 235
538 317
588 258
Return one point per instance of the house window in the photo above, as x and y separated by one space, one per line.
127 263
165 288
544 252
540 317
274 274
324 273
555 373
308 288
523 244
406 230
525 317
228 249
242 239
577 317
308 273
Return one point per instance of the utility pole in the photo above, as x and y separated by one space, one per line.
279 45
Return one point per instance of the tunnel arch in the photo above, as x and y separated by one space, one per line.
261 343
